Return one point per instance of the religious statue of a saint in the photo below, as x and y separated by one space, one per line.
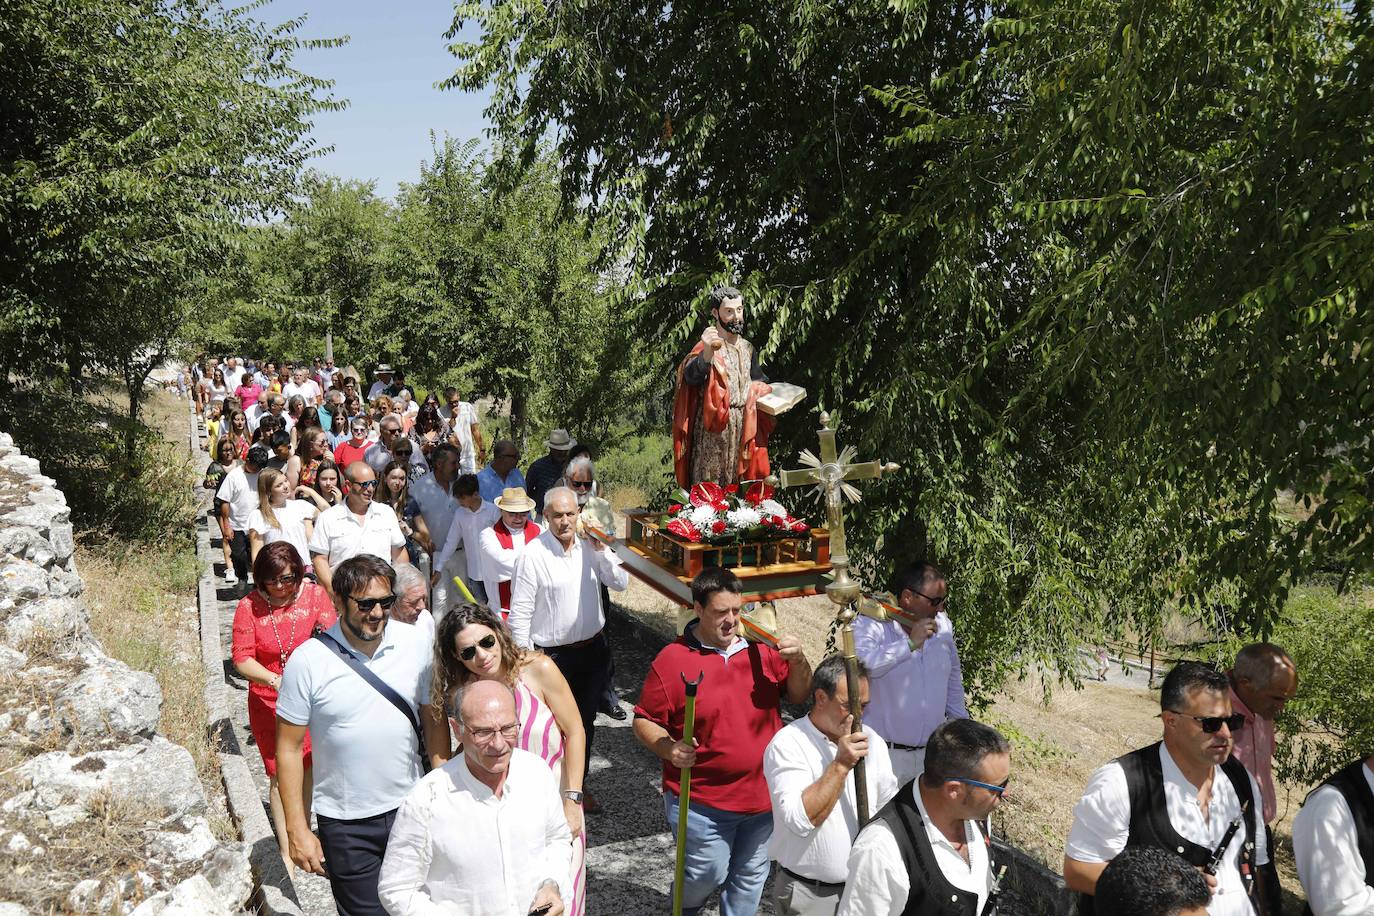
719 433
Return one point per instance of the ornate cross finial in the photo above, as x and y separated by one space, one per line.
830 474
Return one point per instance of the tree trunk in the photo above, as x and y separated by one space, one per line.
518 409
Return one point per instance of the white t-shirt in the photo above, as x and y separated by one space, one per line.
291 519
308 390
240 490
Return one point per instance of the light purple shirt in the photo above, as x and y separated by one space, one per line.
911 693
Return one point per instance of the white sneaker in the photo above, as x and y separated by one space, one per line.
229 577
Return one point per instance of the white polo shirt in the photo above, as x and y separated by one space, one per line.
339 534
366 755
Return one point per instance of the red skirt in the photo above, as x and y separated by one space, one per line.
262 722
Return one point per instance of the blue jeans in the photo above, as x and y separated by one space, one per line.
723 848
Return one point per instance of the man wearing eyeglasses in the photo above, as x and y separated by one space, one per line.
366 754
355 526
484 833
382 452
1181 794
929 849
913 664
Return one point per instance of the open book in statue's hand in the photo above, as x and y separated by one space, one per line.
782 398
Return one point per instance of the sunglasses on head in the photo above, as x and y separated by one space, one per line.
367 604
1212 724
487 642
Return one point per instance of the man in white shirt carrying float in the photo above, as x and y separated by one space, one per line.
556 605
928 851
512 854
808 768
913 666
1333 842
1181 794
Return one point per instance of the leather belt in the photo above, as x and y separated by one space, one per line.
811 882
893 745
582 643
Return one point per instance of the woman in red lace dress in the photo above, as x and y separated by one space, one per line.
273 619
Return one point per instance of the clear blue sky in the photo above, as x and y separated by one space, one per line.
387 71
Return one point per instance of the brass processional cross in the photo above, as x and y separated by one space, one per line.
830 474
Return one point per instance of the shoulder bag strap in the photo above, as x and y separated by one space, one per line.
377 684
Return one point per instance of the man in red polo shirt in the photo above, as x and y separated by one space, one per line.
729 817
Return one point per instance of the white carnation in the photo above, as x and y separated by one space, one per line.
772 507
743 517
703 515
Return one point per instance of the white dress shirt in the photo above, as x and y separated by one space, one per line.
912 692
457 848
436 503
795 759
556 594
1328 855
878 882
339 534
1102 821
464 533
308 391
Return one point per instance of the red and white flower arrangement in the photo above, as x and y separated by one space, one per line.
713 514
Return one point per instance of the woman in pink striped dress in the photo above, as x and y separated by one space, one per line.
473 644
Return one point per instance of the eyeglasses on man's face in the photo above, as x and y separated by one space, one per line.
483 735
580 484
999 789
1212 724
364 484
934 602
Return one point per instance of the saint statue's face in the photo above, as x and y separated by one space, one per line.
730 315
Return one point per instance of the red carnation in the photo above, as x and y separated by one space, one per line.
800 527
718 527
720 505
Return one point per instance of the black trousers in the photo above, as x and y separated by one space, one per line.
1268 876
353 853
587 669
239 554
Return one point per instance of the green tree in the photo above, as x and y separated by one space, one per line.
1091 271
140 137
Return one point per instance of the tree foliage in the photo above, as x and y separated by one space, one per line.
140 135
1091 271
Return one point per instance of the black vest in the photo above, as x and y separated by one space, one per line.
1150 816
1354 788
931 894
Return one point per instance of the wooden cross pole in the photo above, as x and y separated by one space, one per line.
830 475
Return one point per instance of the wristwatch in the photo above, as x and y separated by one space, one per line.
573 796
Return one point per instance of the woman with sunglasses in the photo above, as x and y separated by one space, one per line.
472 644
270 623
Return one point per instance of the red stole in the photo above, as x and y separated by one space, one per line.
507 542
715 414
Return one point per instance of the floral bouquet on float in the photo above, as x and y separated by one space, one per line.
718 515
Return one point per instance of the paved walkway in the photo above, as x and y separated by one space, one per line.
630 852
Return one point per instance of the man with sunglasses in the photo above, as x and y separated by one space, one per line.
928 850
366 754
913 664
355 526
1181 794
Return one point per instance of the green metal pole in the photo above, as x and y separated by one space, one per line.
685 796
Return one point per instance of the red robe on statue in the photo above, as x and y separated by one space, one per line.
715 414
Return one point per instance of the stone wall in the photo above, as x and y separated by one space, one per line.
82 758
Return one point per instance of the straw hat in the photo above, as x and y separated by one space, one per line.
514 499
560 441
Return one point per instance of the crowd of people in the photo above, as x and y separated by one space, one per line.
422 626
